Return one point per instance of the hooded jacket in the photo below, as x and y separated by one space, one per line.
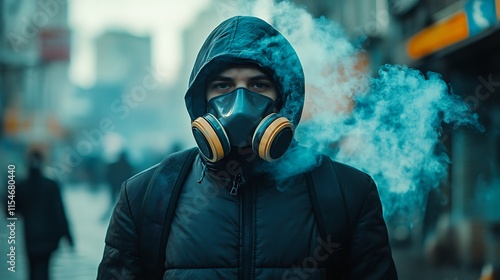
262 231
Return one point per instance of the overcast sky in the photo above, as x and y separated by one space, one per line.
162 19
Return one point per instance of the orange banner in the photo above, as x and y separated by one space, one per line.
497 7
439 36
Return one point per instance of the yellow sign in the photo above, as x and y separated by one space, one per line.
475 17
438 36
497 7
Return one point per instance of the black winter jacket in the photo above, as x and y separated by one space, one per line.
263 232
39 202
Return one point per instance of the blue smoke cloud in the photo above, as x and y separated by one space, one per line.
387 125
395 133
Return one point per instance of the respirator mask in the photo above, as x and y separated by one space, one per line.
242 118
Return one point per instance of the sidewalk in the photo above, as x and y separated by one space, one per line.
84 210
411 265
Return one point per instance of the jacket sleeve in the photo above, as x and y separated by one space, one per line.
63 229
370 256
121 253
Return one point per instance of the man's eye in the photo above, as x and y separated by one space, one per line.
260 85
221 86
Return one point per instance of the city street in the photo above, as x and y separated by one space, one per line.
412 266
85 211
408 92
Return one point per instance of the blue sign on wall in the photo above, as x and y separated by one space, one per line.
480 15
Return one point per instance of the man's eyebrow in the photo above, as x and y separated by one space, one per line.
253 78
220 78
261 77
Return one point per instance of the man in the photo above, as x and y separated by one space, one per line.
116 172
235 212
40 203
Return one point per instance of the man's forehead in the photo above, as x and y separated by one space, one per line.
250 69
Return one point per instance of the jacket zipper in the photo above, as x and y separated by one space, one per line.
203 172
247 218
237 182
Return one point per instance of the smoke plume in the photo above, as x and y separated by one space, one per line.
387 125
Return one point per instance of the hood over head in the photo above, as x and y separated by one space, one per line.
242 40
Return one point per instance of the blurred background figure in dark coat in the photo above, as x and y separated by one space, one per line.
39 202
116 173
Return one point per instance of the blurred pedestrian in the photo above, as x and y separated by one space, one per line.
116 173
39 202
221 210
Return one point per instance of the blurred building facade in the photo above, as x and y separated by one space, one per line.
128 104
41 109
120 56
34 59
121 61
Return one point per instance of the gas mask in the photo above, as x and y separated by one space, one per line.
242 118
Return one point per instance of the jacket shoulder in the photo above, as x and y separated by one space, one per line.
137 185
356 185
352 178
141 179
